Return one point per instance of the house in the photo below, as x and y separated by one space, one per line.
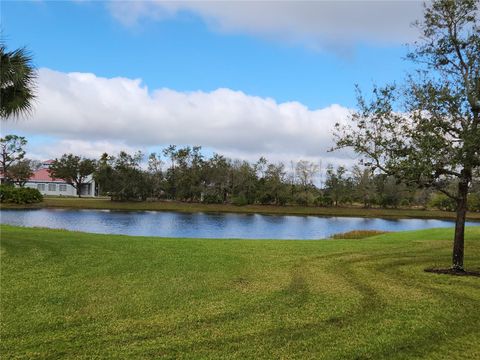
47 185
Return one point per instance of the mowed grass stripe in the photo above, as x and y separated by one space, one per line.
77 295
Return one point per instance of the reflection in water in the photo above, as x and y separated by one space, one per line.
203 225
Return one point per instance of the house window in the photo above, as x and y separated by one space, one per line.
62 187
52 187
41 187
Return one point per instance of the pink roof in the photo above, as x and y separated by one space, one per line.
47 162
44 175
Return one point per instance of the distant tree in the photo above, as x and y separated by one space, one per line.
422 197
104 174
337 184
23 170
431 137
17 82
364 185
244 181
217 184
155 173
122 178
276 188
13 150
390 191
73 169
260 167
171 182
305 172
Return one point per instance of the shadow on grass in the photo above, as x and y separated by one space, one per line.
452 272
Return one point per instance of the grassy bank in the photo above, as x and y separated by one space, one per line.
76 295
85 203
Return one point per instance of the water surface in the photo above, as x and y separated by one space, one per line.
208 225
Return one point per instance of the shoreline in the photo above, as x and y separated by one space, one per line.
172 206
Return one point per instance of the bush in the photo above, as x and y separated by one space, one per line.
240 200
405 202
325 201
304 199
443 202
474 202
10 194
212 199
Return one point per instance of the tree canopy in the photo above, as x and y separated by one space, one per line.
17 82
427 131
73 169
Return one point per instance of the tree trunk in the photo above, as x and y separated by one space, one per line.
458 241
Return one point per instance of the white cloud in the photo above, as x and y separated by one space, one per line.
319 25
91 149
92 115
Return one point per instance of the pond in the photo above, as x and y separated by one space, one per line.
208 225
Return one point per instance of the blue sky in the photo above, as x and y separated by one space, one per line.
191 50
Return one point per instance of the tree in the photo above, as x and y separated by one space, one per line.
22 170
390 191
364 185
17 82
170 152
431 137
305 173
122 178
275 184
104 174
218 174
12 148
73 169
338 186
155 174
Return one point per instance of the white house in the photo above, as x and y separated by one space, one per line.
47 185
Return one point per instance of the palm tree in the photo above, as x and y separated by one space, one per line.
17 82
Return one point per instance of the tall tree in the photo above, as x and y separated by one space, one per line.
122 178
337 184
155 173
17 82
275 184
23 170
12 149
432 137
364 185
73 169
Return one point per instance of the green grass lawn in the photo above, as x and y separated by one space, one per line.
355 211
83 296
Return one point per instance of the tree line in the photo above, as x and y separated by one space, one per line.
187 174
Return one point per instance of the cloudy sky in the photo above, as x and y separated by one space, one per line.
241 78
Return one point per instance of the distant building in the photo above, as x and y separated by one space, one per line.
47 185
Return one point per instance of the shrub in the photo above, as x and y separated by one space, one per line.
325 201
443 202
266 199
212 199
240 200
405 202
474 202
304 199
10 194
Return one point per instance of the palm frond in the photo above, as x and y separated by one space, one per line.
18 78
